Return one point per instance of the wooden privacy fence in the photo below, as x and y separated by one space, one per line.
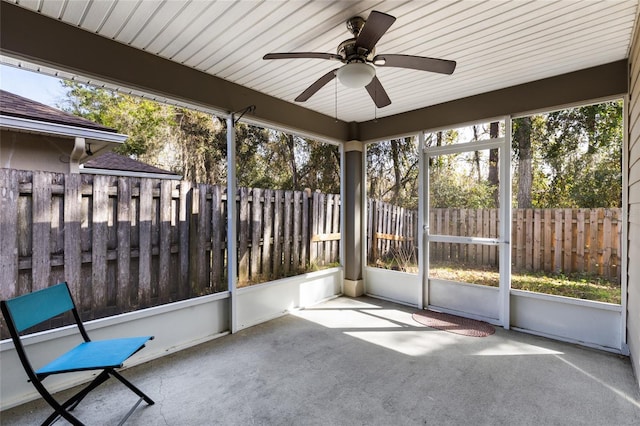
551 240
391 231
125 243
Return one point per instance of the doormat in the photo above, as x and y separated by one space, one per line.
454 324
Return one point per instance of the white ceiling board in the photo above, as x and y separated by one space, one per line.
496 43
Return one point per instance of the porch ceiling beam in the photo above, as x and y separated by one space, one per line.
36 38
588 84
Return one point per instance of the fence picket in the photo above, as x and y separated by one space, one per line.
243 235
9 196
164 261
41 233
580 240
547 241
606 243
217 241
123 297
145 248
267 232
335 245
184 215
297 230
278 218
99 243
305 229
286 245
256 230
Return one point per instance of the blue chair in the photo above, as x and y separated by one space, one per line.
24 312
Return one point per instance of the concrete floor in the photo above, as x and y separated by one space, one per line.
366 362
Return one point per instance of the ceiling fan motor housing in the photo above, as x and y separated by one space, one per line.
351 53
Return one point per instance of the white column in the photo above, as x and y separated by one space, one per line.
505 226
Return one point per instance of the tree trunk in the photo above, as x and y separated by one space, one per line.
525 171
494 176
397 173
476 155
292 162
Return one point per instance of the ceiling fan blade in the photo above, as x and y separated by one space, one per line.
302 55
416 62
377 24
319 84
377 93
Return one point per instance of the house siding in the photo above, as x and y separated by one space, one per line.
27 151
633 277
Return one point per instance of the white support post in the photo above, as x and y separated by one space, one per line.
423 219
505 226
232 275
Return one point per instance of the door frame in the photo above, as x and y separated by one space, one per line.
503 241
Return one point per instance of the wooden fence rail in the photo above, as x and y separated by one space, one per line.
126 243
550 240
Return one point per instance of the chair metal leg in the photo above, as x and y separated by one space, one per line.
71 403
128 384
62 410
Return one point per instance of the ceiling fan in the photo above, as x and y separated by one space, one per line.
358 54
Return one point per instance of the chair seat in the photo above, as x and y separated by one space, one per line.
95 355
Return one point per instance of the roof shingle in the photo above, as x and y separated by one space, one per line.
113 161
16 106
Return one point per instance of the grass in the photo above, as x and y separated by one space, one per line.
580 286
576 285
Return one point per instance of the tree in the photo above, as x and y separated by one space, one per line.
584 153
392 171
494 175
523 153
146 122
193 143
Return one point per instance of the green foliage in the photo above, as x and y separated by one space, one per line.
146 122
194 143
449 189
577 157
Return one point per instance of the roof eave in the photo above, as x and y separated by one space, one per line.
44 127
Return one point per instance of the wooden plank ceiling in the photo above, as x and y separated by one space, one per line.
495 43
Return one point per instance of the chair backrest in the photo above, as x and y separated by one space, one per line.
33 308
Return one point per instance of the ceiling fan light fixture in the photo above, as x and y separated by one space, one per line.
356 74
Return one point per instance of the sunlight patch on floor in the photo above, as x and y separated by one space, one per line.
345 318
515 348
408 342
